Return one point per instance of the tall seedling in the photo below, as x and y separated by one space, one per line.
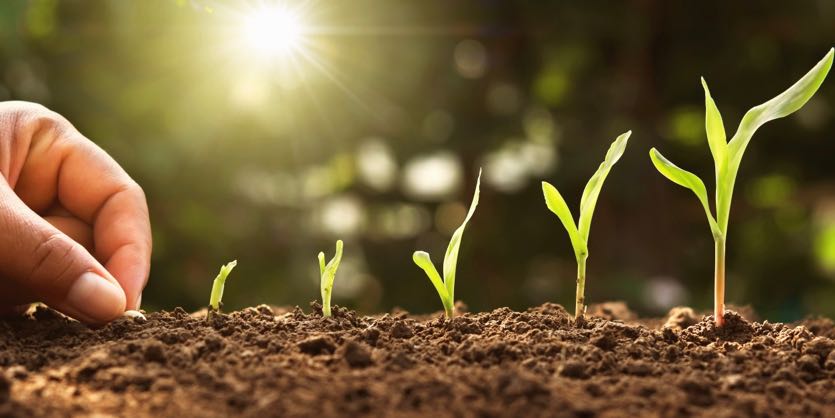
580 236
327 274
446 287
727 156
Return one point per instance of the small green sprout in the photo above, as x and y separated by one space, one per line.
328 274
727 156
215 300
446 287
580 236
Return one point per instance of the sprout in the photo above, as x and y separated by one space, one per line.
727 156
328 274
446 288
580 236
215 300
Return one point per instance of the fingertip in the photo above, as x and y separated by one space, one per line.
94 299
130 266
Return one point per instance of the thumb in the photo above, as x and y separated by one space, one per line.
47 263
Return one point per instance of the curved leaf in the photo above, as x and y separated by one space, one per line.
337 258
685 179
556 203
716 138
422 259
783 105
328 272
219 284
595 184
321 258
328 275
451 256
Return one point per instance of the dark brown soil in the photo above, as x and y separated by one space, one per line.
264 362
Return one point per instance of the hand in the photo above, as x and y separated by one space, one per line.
74 228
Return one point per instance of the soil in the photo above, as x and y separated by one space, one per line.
265 361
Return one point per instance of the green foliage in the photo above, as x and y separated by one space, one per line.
727 156
328 274
446 287
579 236
216 298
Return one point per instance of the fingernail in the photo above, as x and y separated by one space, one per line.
96 298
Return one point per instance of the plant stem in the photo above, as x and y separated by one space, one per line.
326 302
216 295
580 301
719 284
449 309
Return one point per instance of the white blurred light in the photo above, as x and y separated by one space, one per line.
539 125
376 165
664 293
432 177
402 220
505 170
274 30
511 167
470 58
342 215
538 158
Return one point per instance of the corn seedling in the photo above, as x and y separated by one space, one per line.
216 298
580 236
727 156
446 287
327 275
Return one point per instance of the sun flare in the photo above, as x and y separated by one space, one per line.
274 31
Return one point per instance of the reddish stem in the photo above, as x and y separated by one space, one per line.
719 284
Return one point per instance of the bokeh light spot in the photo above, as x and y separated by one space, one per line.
470 58
432 177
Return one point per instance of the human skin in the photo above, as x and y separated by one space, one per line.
74 227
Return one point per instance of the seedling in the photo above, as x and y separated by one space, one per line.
446 287
727 156
580 236
215 300
328 274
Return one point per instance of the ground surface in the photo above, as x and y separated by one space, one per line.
264 362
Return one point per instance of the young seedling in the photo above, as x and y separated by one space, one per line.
727 156
215 300
446 287
328 274
580 236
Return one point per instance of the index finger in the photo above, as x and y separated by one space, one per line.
93 187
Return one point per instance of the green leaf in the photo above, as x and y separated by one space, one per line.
556 203
321 263
337 258
451 256
685 179
595 184
328 275
328 272
783 105
716 138
422 259
219 284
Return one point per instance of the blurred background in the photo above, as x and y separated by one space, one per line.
263 131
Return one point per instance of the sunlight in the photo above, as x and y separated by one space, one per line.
274 31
